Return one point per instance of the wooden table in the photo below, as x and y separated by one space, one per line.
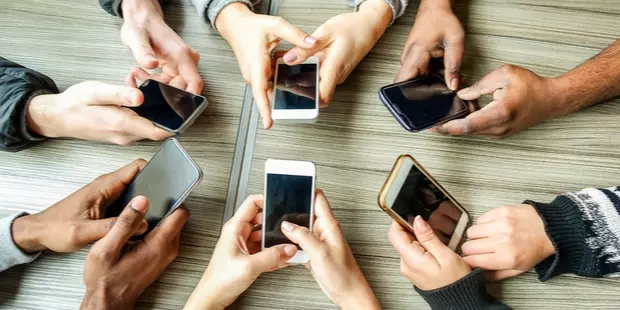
354 145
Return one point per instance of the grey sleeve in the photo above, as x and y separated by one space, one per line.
210 9
10 253
398 7
114 6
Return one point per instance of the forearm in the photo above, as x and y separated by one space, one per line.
596 80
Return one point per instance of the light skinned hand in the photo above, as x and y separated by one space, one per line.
253 37
92 110
154 44
424 259
332 264
343 41
238 260
76 221
521 99
508 241
436 33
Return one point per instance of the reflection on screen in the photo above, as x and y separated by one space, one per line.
166 177
166 105
288 198
296 87
426 101
419 196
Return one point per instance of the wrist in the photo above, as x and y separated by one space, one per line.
206 296
142 9
26 231
377 12
560 92
40 115
101 299
442 4
229 16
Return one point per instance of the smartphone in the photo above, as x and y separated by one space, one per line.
296 91
423 102
168 107
411 191
289 196
166 180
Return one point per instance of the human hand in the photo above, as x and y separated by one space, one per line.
424 259
252 38
343 41
76 221
508 241
92 111
520 99
331 262
154 44
436 33
116 273
238 260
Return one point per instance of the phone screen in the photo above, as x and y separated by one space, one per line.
419 196
164 180
425 102
167 106
288 198
296 87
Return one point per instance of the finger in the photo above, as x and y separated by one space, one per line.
93 230
476 123
139 126
189 72
143 75
260 87
427 238
405 244
249 209
256 236
413 63
130 80
492 215
125 226
327 85
303 237
272 258
107 94
171 226
325 215
480 246
178 82
487 85
111 185
485 261
453 57
497 275
291 34
139 43
485 230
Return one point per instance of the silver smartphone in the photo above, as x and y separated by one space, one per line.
166 180
296 92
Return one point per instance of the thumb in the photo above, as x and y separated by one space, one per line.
139 43
427 238
298 55
304 237
107 94
91 231
272 258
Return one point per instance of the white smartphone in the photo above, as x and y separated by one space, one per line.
289 196
296 92
411 191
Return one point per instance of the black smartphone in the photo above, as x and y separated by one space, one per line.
168 107
423 102
166 180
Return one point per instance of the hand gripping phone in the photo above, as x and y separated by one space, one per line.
296 92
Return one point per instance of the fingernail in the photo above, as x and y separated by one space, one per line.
288 226
454 83
420 224
310 40
140 204
290 250
290 56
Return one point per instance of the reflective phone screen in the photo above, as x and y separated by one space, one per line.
296 87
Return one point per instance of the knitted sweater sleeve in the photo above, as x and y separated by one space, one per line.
585 230
10 253
398 7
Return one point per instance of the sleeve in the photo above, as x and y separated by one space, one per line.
18 85
210 9
10 253
114 6
467 293
585 230
398 7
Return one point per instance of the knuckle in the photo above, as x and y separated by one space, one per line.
102 254
75 231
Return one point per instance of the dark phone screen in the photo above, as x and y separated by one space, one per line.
419 196
425 102
288 198
167 106
296 87
164 180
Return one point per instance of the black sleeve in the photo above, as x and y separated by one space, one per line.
114 6
467 293
17 86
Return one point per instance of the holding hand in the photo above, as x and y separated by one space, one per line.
116 273
436 33
76 221
237 260
344 41
424 259
508 240
252 38
331 262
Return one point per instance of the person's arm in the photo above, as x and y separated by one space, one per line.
18 86
398 7
10 252
114 6
210 9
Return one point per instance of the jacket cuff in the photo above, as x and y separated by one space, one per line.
210 9
114 6
467 293
30 136
565 227
398 7
11 254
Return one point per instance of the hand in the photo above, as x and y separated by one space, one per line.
253 37
436 33
76 221
154 44
508 240
343 41
520 99
424 260
116 273
92 111
237 260
331 262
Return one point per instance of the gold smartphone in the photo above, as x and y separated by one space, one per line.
410 191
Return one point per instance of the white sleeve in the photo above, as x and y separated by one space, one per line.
10 253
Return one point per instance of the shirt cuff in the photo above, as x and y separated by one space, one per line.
11 254
31 136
